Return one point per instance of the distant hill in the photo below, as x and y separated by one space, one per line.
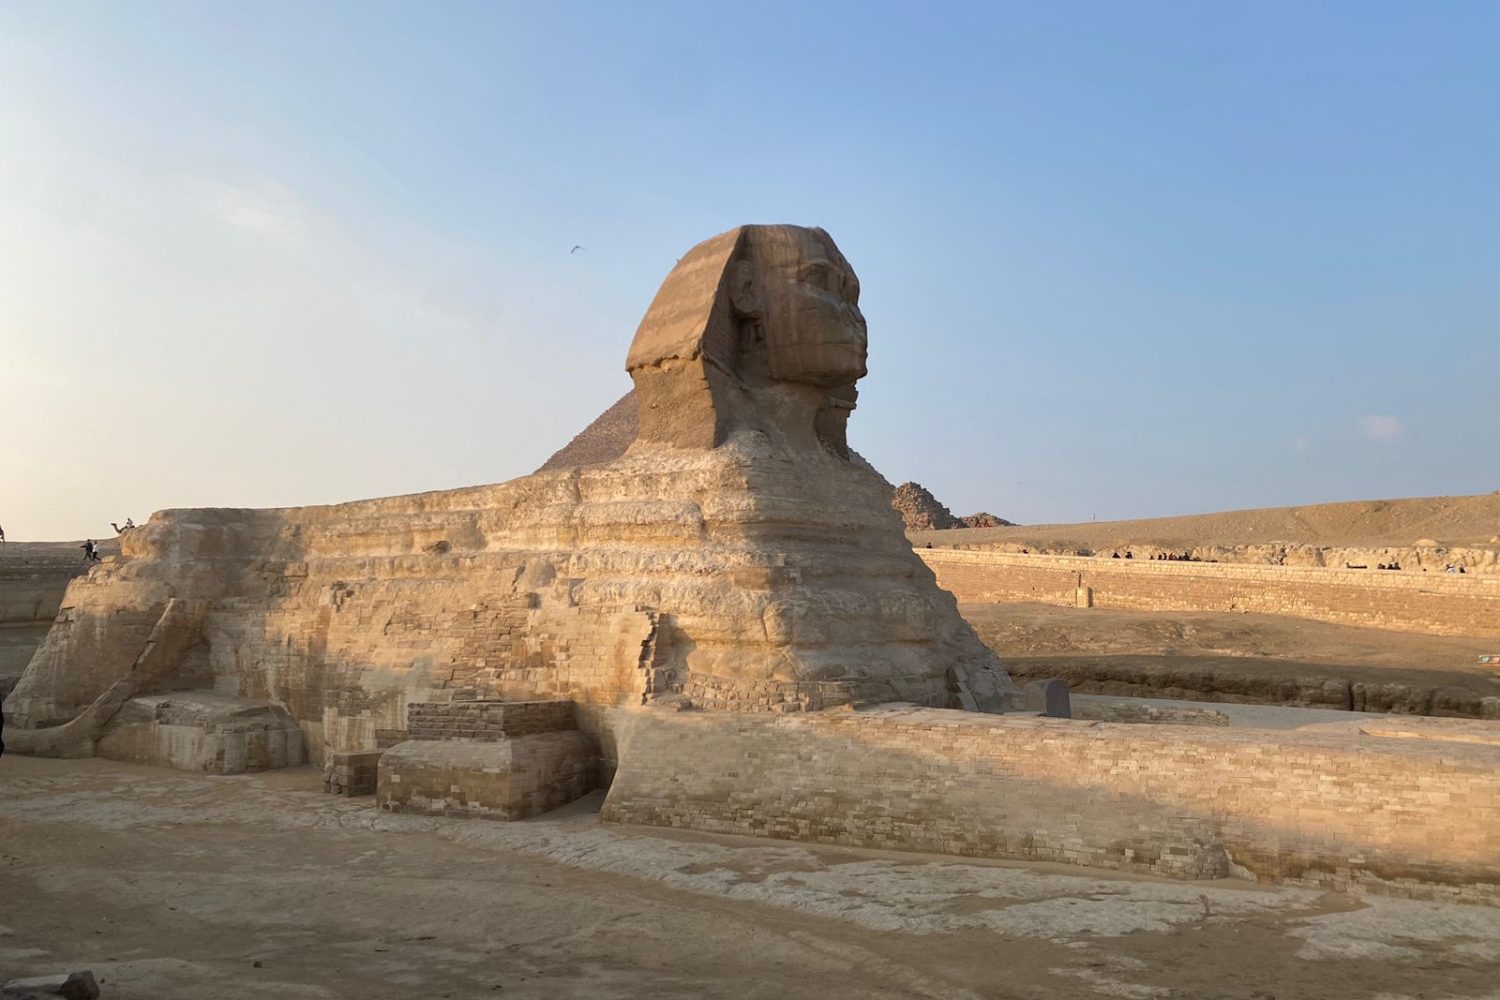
1470 521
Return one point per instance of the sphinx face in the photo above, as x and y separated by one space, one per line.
814 331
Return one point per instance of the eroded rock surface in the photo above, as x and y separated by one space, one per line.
737 556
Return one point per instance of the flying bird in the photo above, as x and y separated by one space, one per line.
577 247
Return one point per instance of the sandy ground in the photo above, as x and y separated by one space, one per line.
170 884
1257 654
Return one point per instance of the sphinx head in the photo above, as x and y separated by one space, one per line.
760 327
798 300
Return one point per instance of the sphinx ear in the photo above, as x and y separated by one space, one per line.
744 291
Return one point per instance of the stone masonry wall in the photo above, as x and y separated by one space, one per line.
34 576
352 772
348 659
508 779
31 591
487 721
1412 816
1436 603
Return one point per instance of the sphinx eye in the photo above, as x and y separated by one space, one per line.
817 274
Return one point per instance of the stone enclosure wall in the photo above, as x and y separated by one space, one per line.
1436 603
1411 815
33 578
31 589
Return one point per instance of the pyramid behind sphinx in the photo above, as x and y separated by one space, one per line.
605 440
719 548
609 436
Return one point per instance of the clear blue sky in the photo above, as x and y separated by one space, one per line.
1118 259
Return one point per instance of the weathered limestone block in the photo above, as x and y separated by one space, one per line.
69 985
1407 812
738 556
1049 697
508 779
204 731
160 659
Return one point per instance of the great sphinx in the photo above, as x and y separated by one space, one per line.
737 556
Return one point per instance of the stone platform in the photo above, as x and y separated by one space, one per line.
486 758
204 731
507 779
1403 806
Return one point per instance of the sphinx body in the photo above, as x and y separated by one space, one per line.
737 557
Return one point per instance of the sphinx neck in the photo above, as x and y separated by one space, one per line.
788 415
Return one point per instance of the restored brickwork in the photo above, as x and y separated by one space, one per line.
351 772
1417 816
1436 603
486 721
350 659
510 779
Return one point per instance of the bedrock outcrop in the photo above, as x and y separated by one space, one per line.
738 556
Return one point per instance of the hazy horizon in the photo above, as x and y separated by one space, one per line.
1117 262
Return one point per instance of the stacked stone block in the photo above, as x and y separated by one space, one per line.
506 779
486 720
203 731
352 772
489 759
